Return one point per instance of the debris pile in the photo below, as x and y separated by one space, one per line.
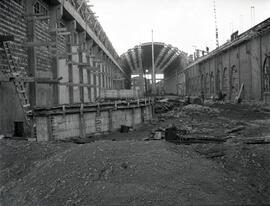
195 108
156 134
163 106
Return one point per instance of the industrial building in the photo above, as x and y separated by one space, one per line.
81 124
239 67
167 60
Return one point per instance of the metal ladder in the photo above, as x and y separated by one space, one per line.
16 75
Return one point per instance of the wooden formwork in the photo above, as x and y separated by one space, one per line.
62 122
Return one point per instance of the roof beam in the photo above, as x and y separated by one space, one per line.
166 58
129 62
170 61
140 58
134 58
160 55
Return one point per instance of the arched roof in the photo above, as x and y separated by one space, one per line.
166 57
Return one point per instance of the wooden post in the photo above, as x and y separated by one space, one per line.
71 25
55 13
50 127
133 117
110 121
82 122
82 39
32 64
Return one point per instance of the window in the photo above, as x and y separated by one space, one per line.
36 8
39 8
266 74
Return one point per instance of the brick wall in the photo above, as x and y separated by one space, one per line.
12 23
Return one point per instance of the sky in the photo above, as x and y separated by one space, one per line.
186 24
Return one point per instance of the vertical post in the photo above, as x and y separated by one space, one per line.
31 53
80 67
55 14
110 121
71 26
153 66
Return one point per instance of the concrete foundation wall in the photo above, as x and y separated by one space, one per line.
56 126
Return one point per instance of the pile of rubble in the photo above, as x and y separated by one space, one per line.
162 107
195 108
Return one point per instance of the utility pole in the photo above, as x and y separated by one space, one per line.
153 66
215 13
252 15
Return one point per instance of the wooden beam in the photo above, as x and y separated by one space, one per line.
4 38
58 30
53 12
9 79
31 52
38 43
42 17
77 84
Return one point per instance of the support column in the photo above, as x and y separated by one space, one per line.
55 13
31 52
71 27
82 40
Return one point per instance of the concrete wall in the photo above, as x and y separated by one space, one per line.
228 69
87 122
170 81
82 58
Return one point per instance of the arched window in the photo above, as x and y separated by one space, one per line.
202 83
225 81
207 84
212 85
234 79
218 80
266 74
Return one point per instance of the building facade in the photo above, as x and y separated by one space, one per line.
242 62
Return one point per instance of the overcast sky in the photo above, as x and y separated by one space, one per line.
185 24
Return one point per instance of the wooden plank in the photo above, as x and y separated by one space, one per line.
55 61
82 124
48 80
64 33
4 38
42 17
77 84
58 29
38 43
78 63
24 79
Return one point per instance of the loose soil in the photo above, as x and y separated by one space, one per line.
122 169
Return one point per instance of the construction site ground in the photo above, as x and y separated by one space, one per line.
123 169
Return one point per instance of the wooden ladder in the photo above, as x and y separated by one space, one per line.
16 74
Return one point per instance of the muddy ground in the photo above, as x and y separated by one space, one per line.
122 169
